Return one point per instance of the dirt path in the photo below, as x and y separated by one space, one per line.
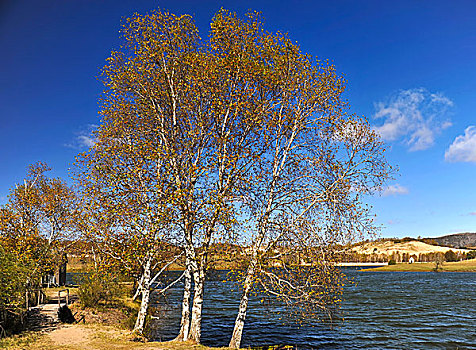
91 337
79 337
70 336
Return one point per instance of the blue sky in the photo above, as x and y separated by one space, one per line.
410 66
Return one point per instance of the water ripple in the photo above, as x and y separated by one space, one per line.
382 311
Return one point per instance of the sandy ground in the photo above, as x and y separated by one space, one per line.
91 337
67 336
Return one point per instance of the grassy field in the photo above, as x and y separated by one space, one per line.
459 266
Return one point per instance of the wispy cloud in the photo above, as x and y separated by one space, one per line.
415 116
473 213
394 190
393 222
84 139
463 148
458 230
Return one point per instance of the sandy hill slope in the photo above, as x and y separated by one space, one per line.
411 247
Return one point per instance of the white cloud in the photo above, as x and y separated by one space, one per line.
440 98
473 213
394 190
84 139
463 148
416 116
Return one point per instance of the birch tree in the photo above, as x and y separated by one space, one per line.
37 224
126 207
305 194
218 124
200 110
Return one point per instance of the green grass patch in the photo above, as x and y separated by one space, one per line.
458 266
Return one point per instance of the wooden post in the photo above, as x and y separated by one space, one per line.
67 296
26 299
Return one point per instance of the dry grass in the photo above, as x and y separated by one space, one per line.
21 341
462 266
52 293
459 266
82 337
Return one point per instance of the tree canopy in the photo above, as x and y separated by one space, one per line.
237 138
38 218
37 225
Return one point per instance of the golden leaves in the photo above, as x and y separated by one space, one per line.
243 132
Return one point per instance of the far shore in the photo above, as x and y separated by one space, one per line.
459 266
357 264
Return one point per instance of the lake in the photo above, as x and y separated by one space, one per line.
383 310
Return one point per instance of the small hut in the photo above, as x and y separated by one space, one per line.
57 278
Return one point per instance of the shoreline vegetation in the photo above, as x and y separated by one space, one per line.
457 266
453 266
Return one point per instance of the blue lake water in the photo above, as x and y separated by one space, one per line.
383 310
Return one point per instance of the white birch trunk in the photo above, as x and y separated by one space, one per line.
278 165
144 305
196 323
235 340
185 322
139 288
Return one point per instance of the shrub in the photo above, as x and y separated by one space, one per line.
438 260
471 254
98 288
13 285
451 256
392 262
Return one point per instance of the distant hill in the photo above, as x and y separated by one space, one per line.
390 247
458 240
